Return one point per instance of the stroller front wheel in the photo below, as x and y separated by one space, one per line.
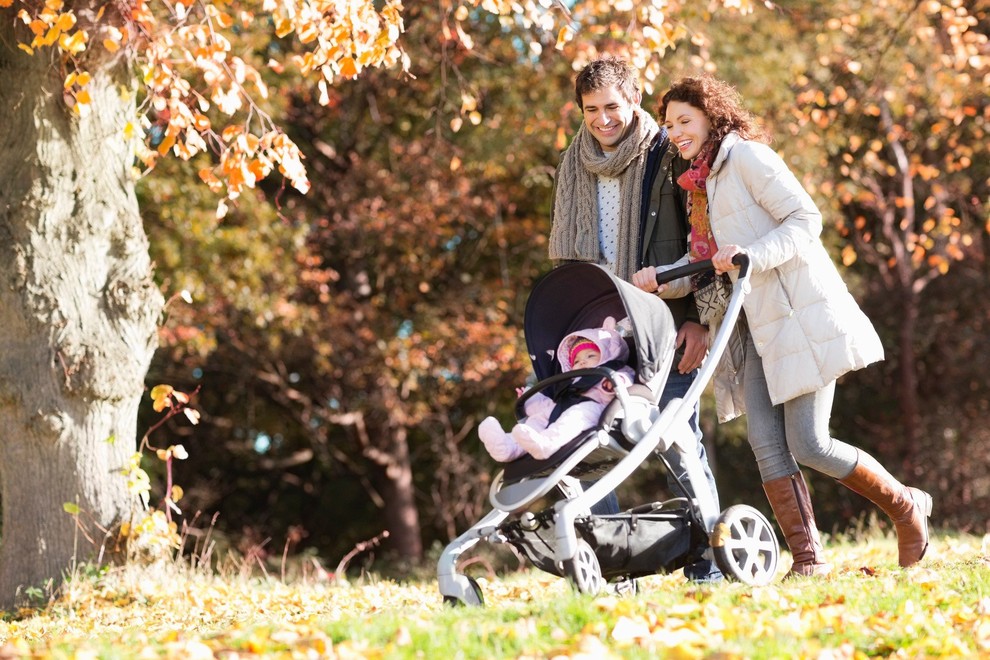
473 597
745 545
583 570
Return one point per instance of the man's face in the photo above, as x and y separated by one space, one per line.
608 115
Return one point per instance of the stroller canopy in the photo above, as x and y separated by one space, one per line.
576 296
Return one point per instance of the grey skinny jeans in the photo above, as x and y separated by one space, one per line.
794 432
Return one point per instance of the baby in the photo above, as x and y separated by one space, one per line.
546 428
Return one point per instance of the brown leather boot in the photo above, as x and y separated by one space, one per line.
908 508
791 505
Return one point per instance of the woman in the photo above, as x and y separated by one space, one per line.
800 330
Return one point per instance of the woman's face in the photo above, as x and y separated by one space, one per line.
688 128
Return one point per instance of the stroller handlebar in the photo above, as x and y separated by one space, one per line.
741 260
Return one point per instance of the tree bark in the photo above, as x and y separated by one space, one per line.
908 385
401 513
78 314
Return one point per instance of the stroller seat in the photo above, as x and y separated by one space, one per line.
589 456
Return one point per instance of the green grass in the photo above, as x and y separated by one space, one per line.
868 608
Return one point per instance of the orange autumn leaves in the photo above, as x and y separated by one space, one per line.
937 610
51 26
199 65
192 77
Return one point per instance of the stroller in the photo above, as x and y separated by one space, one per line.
563 537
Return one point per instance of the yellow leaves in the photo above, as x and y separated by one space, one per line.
137 481
564 36
81 79
222 18
247 159
166 396
76 94
347 67
744 6
849 255
51 27
210 179
186 60
196 613
283 27
64 22
178 451
114 39
161 394
74 43
228 101
656 39
166 144
235 169
152 535
71 508
346 36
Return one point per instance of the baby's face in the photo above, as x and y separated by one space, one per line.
587 358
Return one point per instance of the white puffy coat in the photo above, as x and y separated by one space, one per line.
805 324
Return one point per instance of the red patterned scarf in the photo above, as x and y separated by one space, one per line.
702 241
711 292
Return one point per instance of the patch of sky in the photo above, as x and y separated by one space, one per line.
452 376
405 329
263 442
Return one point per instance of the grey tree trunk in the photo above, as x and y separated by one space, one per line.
78 315
401 513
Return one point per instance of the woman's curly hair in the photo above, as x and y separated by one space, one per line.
720 102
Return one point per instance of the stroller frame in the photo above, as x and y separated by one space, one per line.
740 539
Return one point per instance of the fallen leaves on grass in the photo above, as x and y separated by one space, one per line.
937 609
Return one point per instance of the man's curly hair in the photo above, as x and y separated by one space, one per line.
720 102
603 73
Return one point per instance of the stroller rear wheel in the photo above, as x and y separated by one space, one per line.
745 545
583 571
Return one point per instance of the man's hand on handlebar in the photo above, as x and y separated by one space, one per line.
646 279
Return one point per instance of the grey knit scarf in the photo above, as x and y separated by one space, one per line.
574 234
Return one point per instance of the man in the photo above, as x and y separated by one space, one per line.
615 204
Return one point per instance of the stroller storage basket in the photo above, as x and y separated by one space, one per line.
626 545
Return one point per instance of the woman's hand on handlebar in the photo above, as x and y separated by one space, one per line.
646 279
722 261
